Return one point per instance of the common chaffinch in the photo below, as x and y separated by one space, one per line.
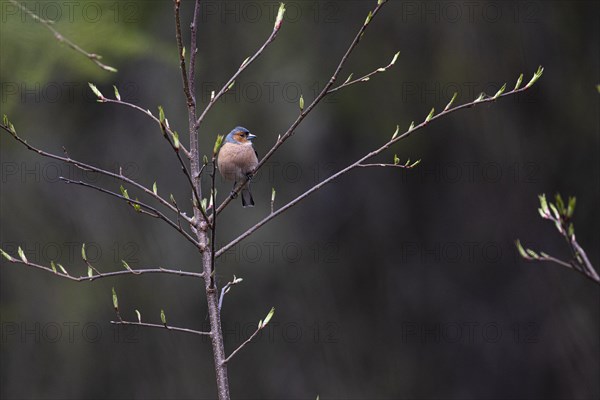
237 159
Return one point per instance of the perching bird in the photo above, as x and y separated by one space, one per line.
238 159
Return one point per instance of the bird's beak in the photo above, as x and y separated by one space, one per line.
251 136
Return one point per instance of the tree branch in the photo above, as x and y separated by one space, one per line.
231 80
95 58
561 216
181 49
363 78
241 346
157 214
141 271
88 167
167 327
304 113
226 289
359 162
103 99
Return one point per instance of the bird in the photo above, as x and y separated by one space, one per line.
237 160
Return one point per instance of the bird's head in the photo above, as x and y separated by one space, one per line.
239 135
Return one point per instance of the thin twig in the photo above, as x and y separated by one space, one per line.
180 48
147 113
157 214
363 78
589 268
95 58
107 274
226 289
167 327
385 165
358 163
241 69
571 265
291 130
561 217
193 52
241 346
213 226
88 167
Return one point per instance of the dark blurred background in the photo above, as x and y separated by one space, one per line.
387 284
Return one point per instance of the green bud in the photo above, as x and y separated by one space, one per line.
117 95
518 84
62 269
395 58
279 18
396 132
451 101
430 115
115 299
571 207
161 114
6 255
176 143
127 267
368 19
521 249
218 143
500 91
268 317
535 76
96 91
124 192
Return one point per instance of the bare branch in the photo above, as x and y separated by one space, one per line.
571 265
261 325
363 78
95 58
149 114
141 271
186 173
386 166
561 216
589 269
193 52
231 80
357 164
88 167
153 211
214 221
181 49
241 346
167 327
291 130
226 289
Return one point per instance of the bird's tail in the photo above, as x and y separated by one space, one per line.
247 200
